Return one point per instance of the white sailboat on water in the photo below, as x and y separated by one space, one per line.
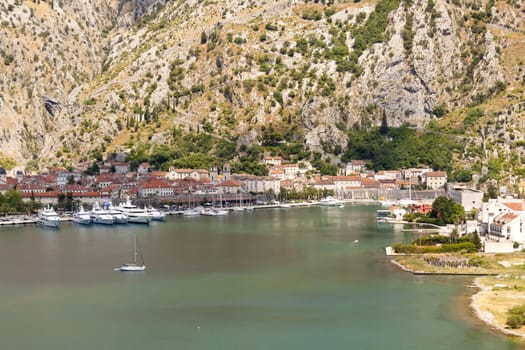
134 266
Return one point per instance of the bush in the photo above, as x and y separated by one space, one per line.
515 318
514 321
432 240
271 27
469 247
312 15
404 248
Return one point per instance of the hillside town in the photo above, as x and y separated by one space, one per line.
402 191
116 181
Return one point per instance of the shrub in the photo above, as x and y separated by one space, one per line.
271 27
404 248
514 321
312 15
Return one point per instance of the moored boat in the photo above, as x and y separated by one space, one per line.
119 217
135 214
48 217
155 214
82 217
100 216
330 202
214 212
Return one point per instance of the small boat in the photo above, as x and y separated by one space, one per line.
133 266
100 216
48 217
155 214
82 217
330 202
193 212
214 212
387 203
284 205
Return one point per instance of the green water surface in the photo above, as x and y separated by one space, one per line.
269 279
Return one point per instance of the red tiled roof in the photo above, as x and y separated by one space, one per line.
347 178
230 183
514 206
155 184
436 174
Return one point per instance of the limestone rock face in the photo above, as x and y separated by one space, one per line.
108 69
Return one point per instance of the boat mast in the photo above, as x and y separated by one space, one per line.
135 246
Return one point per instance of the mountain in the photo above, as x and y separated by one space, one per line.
83 78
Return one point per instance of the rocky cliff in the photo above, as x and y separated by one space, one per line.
79 76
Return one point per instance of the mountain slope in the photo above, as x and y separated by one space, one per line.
308 72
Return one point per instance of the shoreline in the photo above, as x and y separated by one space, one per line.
486 316
476 304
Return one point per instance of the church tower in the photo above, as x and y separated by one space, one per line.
214 172
226 172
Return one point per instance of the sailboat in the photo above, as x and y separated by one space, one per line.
133 266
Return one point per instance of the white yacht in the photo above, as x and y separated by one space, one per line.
155 214
330 202
135 214
388 203
48 217
118 216
214 212
82 217
193 212
100 216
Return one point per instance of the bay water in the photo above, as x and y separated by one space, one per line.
302 278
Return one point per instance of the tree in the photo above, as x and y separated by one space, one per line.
204 37
474 238
492 191
384 125
446 211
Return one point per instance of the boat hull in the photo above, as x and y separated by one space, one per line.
103 221
48 223
82 221
132 267
139 220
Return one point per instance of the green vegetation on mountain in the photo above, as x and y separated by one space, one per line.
308 80
403 147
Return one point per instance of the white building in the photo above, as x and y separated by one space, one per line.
435 179
469 198
272 160
388 175
344 184
155 188
259 184
230 186
495 207
181 174
355 167
507 226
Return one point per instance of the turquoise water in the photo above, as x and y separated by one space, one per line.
270 279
